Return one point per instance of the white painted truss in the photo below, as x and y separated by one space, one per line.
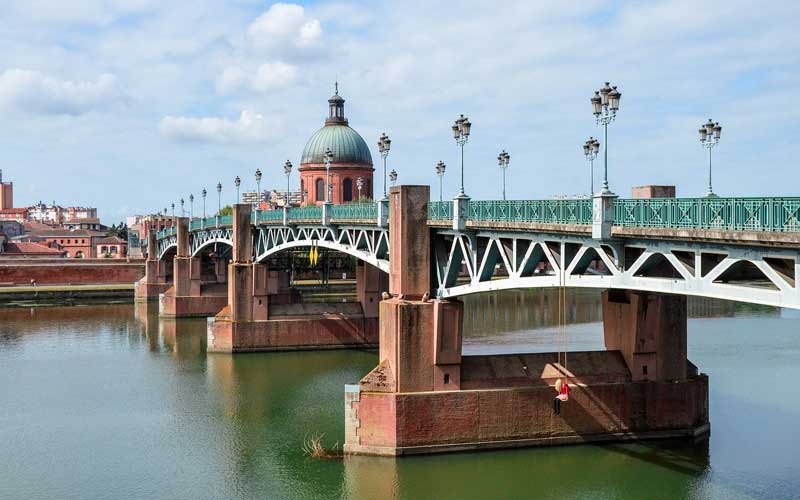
473 262
367 243
484 260
165 244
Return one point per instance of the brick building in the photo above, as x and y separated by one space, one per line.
112 247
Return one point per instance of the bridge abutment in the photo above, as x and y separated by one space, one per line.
260 315
426 397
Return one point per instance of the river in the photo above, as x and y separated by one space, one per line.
109 402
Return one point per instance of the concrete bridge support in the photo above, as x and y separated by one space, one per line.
257 316
425 396
187 297
156 278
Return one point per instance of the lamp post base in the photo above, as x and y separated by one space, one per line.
603 214
460 211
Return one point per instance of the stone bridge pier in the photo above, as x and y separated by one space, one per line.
425 396
157 276
259 317
189 295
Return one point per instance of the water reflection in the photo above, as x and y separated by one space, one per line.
104 396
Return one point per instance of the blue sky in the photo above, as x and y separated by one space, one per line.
130 104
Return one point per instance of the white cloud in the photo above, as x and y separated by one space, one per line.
284 24
34 92
250 127
268 76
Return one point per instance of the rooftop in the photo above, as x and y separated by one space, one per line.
27 247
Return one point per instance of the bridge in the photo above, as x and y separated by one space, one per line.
743 249
646 254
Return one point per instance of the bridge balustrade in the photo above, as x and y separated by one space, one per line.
727 214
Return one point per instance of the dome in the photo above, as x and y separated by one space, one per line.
345 143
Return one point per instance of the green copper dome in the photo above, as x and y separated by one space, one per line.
345 143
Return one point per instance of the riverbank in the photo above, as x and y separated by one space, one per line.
27 296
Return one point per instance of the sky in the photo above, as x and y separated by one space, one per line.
128 105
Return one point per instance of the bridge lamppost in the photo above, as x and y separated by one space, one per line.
258 189
287 169
237 182
219 197
709 137
173 212
502 159
359 185
605 104
393 176
204 193
590 149
183 212
440 168
328 185
191 206
384 144
461 128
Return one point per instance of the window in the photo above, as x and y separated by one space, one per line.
320 190
347 190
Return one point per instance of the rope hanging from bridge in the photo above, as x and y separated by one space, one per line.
562 341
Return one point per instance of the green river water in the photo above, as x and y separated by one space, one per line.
108 402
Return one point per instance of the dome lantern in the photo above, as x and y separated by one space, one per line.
336 108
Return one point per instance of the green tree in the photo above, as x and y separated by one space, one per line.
121 231
226 210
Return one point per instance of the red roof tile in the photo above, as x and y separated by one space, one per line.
32 248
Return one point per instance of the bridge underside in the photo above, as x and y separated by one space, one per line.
483 260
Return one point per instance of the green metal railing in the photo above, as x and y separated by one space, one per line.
355 211
440 210
305 213
729 214
577 211
270 215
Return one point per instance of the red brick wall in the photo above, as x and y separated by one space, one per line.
309 173
63 271
482 416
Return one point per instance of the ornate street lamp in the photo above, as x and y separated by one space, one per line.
287 169
709 137
359 185
590 149
383 146
183 212
502 159
173 213
237 182
191 206
605 104
258 188
219 197
329 186
393 176
204 193
461 128
440 168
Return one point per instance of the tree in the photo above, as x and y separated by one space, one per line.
120 231
226 210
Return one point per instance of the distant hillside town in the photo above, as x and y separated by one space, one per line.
53 231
